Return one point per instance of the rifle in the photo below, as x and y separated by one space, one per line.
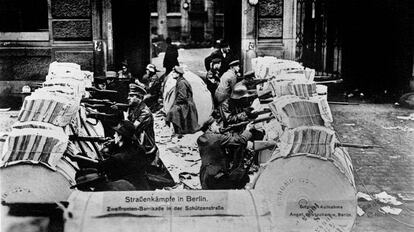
264 111
266 95
88 138
363 146
255 121
330 81
93 89
100 115
102 103
251 83
82 158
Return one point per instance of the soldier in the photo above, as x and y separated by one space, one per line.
183 114
224 54
171 56
216 171
237 108
141 117
212 79
126 159
227 82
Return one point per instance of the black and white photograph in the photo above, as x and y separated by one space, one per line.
207 115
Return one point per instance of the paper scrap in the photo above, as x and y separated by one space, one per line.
388 209
363 196
387 199
410 117
406 196
360 212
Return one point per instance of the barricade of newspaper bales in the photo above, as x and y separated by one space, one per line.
35 167
308 173
304 184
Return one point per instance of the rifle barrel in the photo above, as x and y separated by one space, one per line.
88 138
364 146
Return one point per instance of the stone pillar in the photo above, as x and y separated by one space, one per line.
162 18
107 34
289 29
99 47
185 22
248 34
209 25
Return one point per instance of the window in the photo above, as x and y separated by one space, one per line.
173 6
23 15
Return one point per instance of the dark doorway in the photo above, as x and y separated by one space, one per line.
367 43
232 25
131 27
378 45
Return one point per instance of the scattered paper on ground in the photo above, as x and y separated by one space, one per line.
387 199
410 117
179 155
405 128
363 196
360 212
390 210
406 196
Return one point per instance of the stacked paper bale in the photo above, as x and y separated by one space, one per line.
309 176
33 165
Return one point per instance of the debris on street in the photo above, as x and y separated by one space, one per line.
384 197
390 210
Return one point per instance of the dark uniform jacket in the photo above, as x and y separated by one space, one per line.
170 58
226 85
145 130
215 161
183 113
225 61
126 163
212 81
231 113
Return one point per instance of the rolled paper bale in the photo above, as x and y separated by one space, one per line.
213 210
36 183
310 193
201 95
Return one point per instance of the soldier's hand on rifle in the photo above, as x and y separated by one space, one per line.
252 115
249 126
114 107
248 110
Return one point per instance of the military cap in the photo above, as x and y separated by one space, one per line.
152 68
216 60
234 63
126 129
240 91
136 89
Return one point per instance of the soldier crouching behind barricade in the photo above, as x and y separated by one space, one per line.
237 108
141 117
217 168
124 169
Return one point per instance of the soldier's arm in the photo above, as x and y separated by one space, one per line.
144 116
235 139
230 118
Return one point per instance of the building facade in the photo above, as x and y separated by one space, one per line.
338 38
